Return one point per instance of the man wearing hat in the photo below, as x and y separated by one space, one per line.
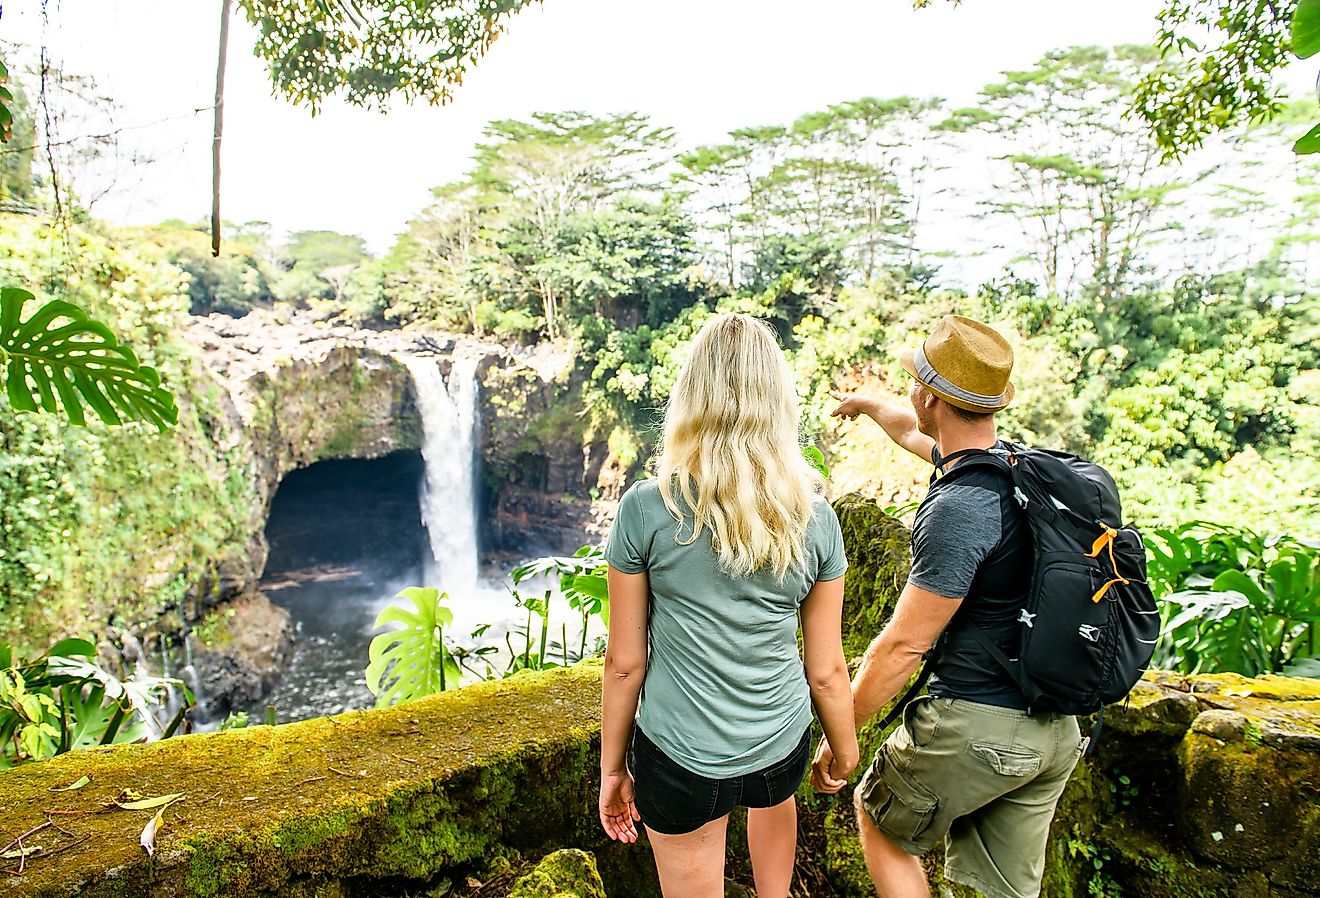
967 764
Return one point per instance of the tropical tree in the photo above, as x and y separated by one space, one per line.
1081 182
317 264
1225 54
534 175
369 51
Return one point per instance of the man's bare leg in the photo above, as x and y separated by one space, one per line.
895 873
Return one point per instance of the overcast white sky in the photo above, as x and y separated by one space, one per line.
700 66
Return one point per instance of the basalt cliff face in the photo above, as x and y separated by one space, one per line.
284 392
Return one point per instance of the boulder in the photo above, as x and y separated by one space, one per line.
567 873
239 652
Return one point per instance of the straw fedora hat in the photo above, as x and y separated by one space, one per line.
965 363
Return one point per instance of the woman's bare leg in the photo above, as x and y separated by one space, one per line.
772 843
691 865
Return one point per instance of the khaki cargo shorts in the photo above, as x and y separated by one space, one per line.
985 779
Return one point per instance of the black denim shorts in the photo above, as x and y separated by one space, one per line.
673 800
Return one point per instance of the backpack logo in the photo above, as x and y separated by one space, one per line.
1026 617
1086 631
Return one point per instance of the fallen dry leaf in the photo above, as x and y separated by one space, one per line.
20 852
148 838
76 784
147 804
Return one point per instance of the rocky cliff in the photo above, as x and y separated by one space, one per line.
292 391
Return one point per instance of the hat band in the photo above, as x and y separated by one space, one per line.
931 378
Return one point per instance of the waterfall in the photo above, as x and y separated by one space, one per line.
449 502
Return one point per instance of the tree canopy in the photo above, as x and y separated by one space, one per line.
370 51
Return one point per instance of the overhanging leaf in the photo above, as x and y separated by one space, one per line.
816 459
1306 28
74 646
60 357
6 117
1308 143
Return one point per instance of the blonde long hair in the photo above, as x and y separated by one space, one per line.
731 449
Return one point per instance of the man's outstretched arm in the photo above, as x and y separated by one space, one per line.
897 419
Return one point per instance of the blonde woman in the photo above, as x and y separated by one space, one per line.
711 566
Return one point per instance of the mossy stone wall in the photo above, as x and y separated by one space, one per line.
411 792
1203 787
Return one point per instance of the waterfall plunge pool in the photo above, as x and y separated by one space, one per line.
347 535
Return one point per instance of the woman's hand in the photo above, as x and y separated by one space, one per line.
618 813
828 775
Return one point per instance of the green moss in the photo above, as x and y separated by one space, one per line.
568 873
878 561
214 629
402 792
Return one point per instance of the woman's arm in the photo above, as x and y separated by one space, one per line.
625 668
827 673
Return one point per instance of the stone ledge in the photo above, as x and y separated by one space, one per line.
407 791
1279 712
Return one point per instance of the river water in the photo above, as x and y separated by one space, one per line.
346 536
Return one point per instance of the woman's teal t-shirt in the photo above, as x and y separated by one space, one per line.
725 692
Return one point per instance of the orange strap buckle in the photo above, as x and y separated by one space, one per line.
1103 541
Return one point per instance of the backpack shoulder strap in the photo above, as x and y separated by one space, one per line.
1029 689
968 459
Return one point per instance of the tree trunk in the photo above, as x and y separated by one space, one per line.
219 127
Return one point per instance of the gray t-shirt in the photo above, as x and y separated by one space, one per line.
971 541
725 691
954 532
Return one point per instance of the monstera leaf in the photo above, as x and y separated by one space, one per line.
6 102
61 357
412 662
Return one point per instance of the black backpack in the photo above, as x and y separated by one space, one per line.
1089 624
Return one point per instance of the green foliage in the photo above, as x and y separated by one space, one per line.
61 358
318 265
581 579
99 522
817 460
582 582
827 200
1306 43
63 700
1308 143
1215 83
18 130
240 279
1078 178
408 663
371 50
1234 600
416 661
6 106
